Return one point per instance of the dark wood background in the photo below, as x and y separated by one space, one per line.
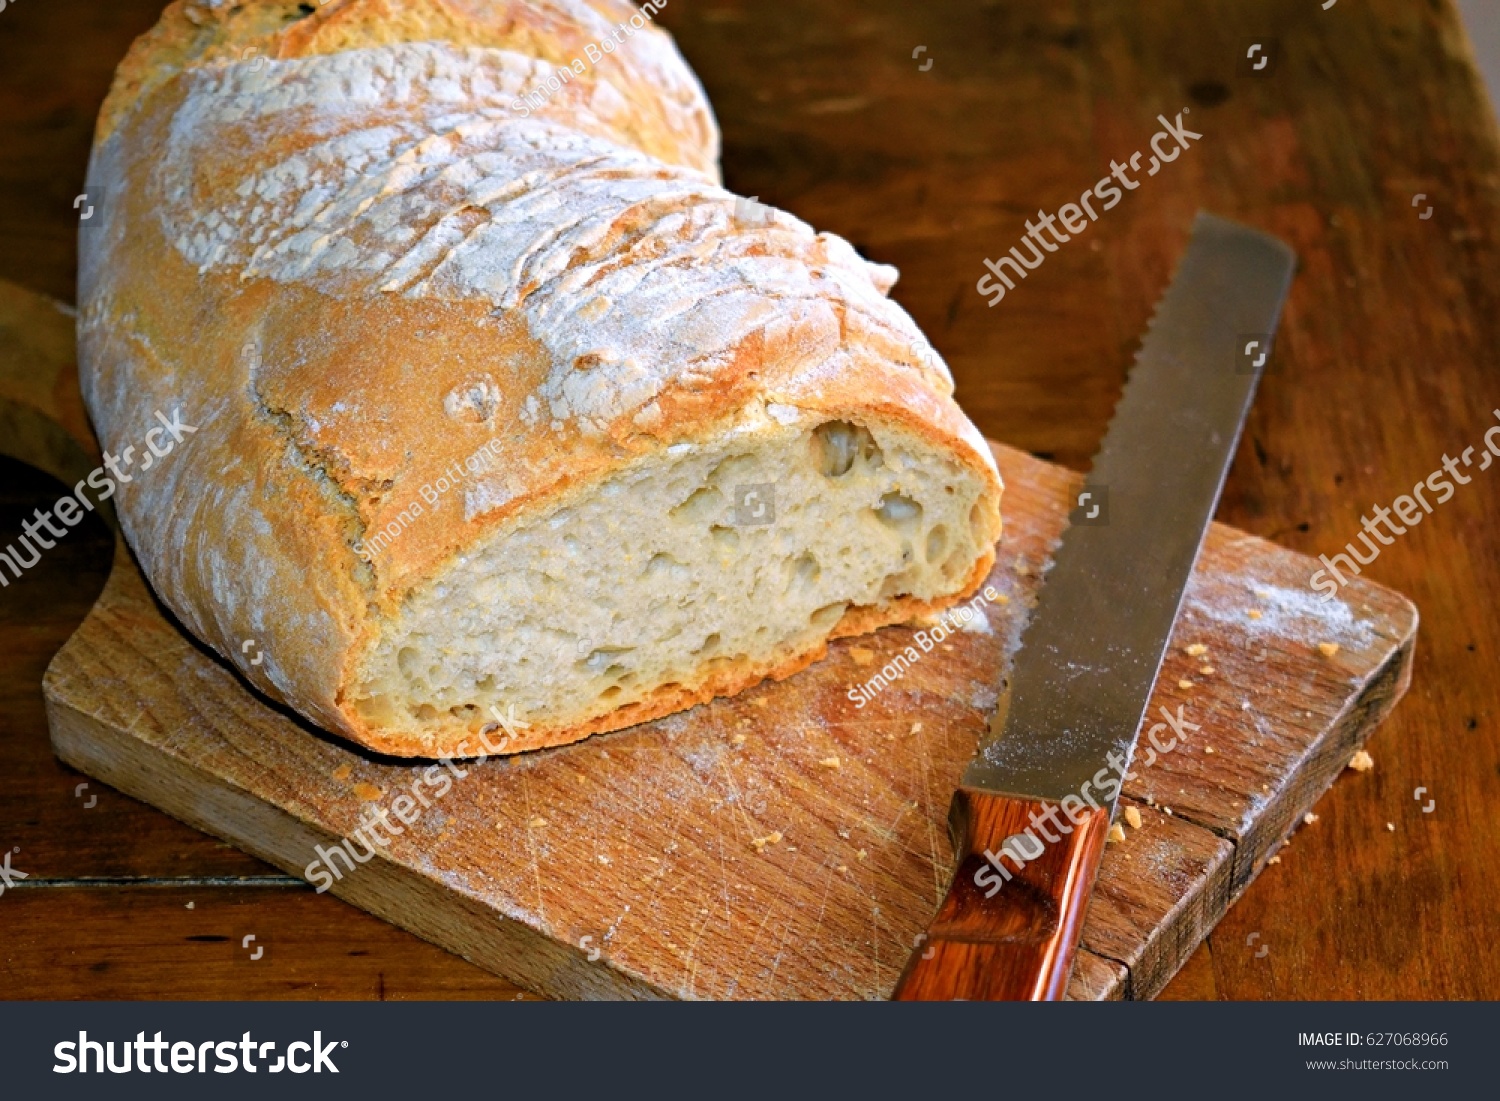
1385 363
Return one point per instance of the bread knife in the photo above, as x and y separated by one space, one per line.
1033 809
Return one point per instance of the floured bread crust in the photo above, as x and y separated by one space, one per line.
358 245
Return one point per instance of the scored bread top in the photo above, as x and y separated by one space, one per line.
358 244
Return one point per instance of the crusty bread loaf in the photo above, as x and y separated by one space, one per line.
502 403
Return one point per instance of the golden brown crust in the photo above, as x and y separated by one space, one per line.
284 260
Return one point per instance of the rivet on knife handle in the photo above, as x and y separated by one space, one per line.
1064 733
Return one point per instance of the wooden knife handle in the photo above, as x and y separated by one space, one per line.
1009 926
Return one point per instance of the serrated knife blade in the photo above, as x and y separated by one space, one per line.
1089 657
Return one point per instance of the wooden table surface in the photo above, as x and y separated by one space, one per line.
1386 363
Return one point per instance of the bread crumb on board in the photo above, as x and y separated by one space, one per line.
1274 860
862 656
1209 749
1196 650
1133 818
1391 826
1184 683
1361 762
538 823
1328 649
759 701
1116 833
759 844
1309 818
368 792
1206 671
830 762
342 772
738 739
1253 613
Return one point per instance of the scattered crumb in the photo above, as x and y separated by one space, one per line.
1133 818
538 823
1167 811
653 859
1263 594
1002 599
791 848
862 656
1253 613
1391 826
1274 860
759 701
604 859
342 772
844 834
1150 800
1184 683
368 792
1206 671
1361 762
830 762
1328 649
738 739
862 854
189 906
1116 833
1309 818
1209 749
843 867
916 728
948 648
759 843
1196 650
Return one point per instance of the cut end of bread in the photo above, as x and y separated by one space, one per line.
696 572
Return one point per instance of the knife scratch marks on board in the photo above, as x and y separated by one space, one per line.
738 800
822 904
786 931
536 870
924 757
750 952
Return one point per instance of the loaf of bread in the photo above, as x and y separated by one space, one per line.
495 402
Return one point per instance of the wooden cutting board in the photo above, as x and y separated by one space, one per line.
722 853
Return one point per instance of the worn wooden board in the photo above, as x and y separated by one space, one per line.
629 866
